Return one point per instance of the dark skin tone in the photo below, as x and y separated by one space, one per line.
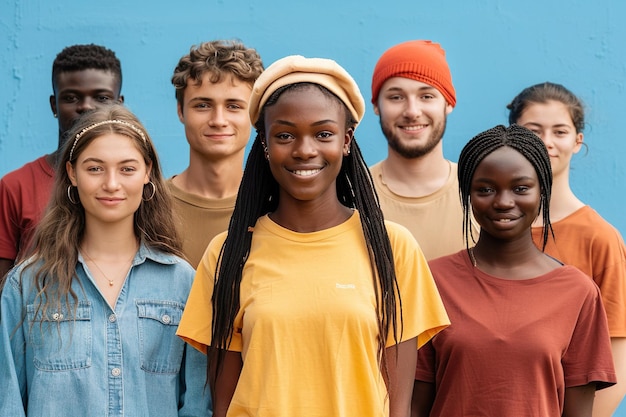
75 92
505 197
307 138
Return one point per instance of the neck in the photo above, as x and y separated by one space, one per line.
416 177
563 201
101 242
211 179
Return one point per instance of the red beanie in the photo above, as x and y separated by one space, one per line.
423 61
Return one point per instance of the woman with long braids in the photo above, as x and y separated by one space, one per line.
88 322
529 335
310 304
581 236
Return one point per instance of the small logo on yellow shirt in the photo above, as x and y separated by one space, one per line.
345 286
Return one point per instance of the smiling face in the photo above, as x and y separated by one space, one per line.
215 115
552 122
412 116
110 174
306 138
505 194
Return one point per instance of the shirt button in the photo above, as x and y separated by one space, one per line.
166 319
57 316
116 371
112 318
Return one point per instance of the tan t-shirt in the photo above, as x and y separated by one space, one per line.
200 220
435 220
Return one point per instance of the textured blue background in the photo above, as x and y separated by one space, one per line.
495 48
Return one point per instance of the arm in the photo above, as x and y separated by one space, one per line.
423 398
195 398
579 400
13 395
224 384
401 364
608 399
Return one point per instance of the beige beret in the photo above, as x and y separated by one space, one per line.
298 69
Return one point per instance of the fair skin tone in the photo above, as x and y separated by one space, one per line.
412 117
307 138
75 93
551 121
217 127
505 197
110 174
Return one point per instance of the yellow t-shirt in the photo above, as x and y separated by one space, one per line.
435 220
308 321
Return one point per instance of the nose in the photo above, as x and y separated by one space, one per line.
412 108
503 200
86 104
218 117
111 181
304 148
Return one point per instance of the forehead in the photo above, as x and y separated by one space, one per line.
309 101
505 161
111 146
227 86
406 84
87 80
551 112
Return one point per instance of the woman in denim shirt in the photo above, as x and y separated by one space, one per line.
87 324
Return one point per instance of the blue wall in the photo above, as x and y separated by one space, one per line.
495 48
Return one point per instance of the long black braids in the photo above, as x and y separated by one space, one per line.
522 140
258 195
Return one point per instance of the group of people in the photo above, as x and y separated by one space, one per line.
418 286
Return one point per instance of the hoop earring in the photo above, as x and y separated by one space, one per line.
152 194
69 195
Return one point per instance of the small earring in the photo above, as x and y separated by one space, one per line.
55 115
69 195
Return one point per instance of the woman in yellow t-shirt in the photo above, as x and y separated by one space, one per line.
310 304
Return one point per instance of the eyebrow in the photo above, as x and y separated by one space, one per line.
520 178
238 100
540 125
318 123
100 161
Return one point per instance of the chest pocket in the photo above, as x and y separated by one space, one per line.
161 351
61 338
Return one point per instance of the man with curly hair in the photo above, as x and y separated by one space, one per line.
213 85
84 77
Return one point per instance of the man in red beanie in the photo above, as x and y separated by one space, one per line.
412 93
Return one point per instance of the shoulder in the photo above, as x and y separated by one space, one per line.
18 175
399 234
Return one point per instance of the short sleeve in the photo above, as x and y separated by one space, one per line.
423 312
195 325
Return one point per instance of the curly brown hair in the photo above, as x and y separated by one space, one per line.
219 58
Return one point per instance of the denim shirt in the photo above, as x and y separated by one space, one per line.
86 359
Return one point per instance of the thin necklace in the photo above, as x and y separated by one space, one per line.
111 282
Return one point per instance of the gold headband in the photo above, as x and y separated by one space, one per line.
105 122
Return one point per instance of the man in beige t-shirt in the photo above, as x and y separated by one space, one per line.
213 86
412 93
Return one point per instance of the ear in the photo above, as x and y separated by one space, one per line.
347 140
179 110
148 172
71 173
120 99
376 110
579 142
53 105
449 108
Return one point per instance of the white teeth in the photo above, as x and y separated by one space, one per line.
414 127
306 172
504 220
